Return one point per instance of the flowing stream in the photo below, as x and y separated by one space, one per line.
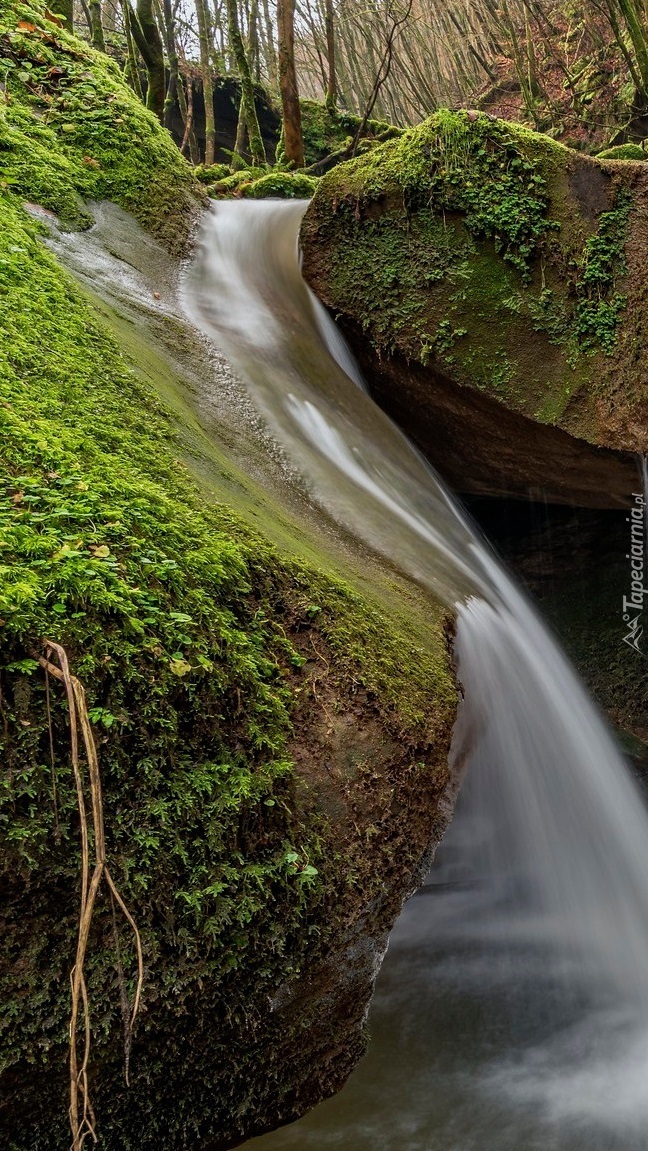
512 1012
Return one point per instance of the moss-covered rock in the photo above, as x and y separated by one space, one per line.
623 152
227 186
272 741
253 184
212 174
485 270
281 185
72 130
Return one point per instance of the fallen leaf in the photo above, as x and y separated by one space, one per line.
179 666
25 26
64 552
101 552
54 19
18 498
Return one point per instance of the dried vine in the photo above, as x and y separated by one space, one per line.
82 1118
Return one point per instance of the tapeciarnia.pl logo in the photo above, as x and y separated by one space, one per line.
634 603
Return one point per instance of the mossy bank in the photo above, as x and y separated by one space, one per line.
273 743
71 130
488 275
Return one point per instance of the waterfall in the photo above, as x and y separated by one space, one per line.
554 828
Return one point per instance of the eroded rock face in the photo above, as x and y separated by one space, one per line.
388 819
482 447
223 1052
492 285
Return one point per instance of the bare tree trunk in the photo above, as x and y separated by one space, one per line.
527 87
292 131
331 86
612 16
187 110
270 52
635 22
147 37
382 73
253 42
96 25
241 133
305 12
131 67
216 30
172 54
66 9
424 96
207 81
247 87
490 72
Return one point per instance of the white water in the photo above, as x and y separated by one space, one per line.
551 829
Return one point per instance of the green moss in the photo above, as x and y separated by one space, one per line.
229 185
476 167
282 185
104 546
254 184
623 152
462 246
72 130
212 174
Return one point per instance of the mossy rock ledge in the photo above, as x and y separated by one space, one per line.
493 286
272 736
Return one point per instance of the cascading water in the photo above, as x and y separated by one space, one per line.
552 834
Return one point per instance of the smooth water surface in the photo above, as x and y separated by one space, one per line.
512 1011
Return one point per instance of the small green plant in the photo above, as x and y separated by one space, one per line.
599 304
